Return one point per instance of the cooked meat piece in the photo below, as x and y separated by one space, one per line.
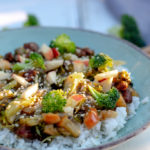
127 95
31 46
9 57
30 75
122 85
84 52
24 132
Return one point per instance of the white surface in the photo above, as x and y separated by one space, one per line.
8 18
87 14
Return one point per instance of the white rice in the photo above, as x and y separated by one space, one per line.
103 131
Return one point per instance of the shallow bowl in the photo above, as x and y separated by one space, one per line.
137 63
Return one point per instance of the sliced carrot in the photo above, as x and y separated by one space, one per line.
77 97
51 118
91 118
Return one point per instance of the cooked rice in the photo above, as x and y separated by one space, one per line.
103 131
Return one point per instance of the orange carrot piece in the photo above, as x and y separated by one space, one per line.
91 118
51 118
77 97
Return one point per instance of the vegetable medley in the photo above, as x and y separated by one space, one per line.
52 90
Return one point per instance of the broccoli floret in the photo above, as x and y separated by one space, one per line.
54 101
128 30
31 21
101 61
105 100
64 44
37 60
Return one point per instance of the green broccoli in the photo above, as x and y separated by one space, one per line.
101 61
64 44
35 60
54 101
128 30
105 100
31 21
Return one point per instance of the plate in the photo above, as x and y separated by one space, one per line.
137 63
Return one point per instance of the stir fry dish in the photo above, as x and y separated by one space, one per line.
53 90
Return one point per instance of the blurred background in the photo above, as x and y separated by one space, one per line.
97 15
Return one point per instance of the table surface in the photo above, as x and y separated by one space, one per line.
89 14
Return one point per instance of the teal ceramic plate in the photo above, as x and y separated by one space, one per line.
136 62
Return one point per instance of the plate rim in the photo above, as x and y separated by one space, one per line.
83 30
123 139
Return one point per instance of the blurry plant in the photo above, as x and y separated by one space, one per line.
31 21
5 28
128 30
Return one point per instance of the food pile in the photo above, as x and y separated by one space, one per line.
53 90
